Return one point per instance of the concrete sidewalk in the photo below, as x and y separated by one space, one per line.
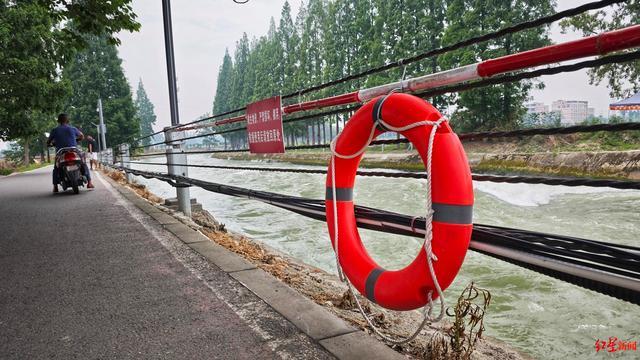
103 274
81 278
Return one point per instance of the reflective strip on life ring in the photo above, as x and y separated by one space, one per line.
452 197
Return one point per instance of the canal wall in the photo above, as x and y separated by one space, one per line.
601 164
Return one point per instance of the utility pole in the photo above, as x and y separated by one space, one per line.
99 136
103 128
171 64
175 152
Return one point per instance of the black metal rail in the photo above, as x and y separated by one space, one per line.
606 268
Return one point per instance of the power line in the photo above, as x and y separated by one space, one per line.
611 59
471 41
605 268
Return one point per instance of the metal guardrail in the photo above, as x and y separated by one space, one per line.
176 164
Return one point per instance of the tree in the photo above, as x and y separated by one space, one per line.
76 19
499 106
623 79
545 119
144 112
240 87
30 91
97 73
429 16
268 55
331 39
36 39
289 42
222 100
311 25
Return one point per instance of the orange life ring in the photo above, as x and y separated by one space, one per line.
452 199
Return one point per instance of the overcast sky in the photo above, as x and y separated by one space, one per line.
202 29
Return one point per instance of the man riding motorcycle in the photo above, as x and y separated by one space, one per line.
62 136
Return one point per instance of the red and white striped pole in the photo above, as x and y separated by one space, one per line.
591 46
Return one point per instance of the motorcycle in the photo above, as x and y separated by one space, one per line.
69 162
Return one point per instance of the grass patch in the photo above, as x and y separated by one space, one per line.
23 168
32 166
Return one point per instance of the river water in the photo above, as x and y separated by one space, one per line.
541 316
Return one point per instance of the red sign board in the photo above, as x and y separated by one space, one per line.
264 126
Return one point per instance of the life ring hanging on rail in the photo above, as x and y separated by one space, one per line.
452 199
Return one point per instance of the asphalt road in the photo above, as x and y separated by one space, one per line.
80 278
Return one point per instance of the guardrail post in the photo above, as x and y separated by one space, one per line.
175 155
124 160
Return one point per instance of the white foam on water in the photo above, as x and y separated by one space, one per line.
533 194
590 327
533 307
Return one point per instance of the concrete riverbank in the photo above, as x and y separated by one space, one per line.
599 164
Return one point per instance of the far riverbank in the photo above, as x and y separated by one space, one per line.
593 164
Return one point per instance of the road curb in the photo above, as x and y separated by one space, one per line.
340 339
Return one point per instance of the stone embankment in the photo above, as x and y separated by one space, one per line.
602 164
617 164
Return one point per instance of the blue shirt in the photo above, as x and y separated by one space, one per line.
64 136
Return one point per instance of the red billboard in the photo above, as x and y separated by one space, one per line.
264 126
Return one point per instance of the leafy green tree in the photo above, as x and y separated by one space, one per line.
76 19
289 42
36 39
268 82
429 16
310 50
331 39
499 106
622 79
615 119
310 53
222 100
15 152
97 73
546 119
144 112
239 86
30 91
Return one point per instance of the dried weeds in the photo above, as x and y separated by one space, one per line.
140 189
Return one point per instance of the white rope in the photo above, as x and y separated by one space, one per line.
428 236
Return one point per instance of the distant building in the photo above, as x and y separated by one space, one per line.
628 108
537 108
572 111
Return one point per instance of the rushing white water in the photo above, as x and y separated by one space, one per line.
539 315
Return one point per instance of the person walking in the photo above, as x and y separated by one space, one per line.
92 149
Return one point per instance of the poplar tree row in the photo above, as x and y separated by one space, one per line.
330 39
